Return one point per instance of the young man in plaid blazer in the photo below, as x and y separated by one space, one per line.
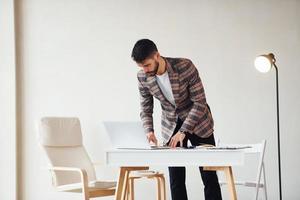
175 82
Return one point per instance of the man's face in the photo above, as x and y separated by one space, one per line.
149 65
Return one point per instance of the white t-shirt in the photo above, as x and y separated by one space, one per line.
165 86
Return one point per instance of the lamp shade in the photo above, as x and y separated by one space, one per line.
263 63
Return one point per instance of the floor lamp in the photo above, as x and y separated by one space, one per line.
264 63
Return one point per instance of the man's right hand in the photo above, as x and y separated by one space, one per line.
151 138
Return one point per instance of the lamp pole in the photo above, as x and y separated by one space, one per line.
278 131
264 63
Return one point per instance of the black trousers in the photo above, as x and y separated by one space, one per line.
212 189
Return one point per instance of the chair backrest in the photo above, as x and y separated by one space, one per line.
61 139
259 148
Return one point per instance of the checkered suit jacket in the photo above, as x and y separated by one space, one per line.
188 92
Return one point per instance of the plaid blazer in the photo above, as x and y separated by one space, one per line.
188 92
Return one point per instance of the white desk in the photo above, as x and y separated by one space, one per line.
129 160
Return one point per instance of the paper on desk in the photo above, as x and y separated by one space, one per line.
228 147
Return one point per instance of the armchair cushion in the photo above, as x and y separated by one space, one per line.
60 132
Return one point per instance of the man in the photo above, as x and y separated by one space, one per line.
175 82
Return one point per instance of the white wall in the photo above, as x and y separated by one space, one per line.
75 61
7 102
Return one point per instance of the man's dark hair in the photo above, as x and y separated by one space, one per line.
143 49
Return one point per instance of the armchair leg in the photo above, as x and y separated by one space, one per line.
85 189
163 187
158 188
85 195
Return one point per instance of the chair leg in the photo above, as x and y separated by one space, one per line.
257 190
125 197
131 189
161 187
265 183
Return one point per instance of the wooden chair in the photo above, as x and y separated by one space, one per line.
71 167
159 177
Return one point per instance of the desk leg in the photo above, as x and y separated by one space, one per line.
229 177
122 185
231 185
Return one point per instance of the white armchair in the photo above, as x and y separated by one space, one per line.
71 167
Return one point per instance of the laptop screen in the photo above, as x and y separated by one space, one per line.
128 134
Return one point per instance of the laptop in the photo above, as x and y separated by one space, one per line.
128 135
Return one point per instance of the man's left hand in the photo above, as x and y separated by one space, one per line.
178 137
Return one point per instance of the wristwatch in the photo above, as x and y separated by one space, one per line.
184 132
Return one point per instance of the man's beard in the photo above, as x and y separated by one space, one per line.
153 73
